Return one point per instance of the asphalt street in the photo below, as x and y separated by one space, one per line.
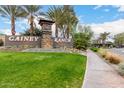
119 51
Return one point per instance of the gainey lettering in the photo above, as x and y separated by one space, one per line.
23 38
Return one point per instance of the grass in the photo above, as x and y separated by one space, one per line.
41 70
102 52
94 49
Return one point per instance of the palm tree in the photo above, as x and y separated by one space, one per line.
70 19
12 12
103 37
32 11
56 14
64 18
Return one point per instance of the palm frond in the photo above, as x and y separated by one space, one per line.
5 11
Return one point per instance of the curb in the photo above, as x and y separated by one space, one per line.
85 72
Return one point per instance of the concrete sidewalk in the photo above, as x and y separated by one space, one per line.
101 75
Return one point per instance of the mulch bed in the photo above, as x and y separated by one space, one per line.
3 49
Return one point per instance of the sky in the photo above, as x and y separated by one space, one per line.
101 18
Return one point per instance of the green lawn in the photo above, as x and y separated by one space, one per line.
40 70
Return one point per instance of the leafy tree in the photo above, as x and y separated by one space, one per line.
119 39
12 12
103 37
82 40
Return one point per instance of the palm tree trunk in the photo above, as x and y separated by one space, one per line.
13 25
67 32
63 34
103 43
31 25
56 33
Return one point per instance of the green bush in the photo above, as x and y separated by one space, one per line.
80 44
37 32
82 39
94 49
1 42
121 68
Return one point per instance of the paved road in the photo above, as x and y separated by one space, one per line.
119 51
101 75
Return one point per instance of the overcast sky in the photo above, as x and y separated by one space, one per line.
100 18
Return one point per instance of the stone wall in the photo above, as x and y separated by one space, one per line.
23 41
45 41
62 42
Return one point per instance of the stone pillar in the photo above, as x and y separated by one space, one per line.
46 40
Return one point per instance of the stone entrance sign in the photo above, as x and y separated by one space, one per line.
43 41
62 42
23 38
23 41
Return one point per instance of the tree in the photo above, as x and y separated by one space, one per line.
82 40
56 14
88 31
70 19
32 11
64 18
103 37
12 12
119 39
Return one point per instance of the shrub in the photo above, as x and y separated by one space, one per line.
80 44
37 32
1 42
82 40
108 55
121 69
115 59
94 49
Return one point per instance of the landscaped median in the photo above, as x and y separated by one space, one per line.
41 70
111 57
117 61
